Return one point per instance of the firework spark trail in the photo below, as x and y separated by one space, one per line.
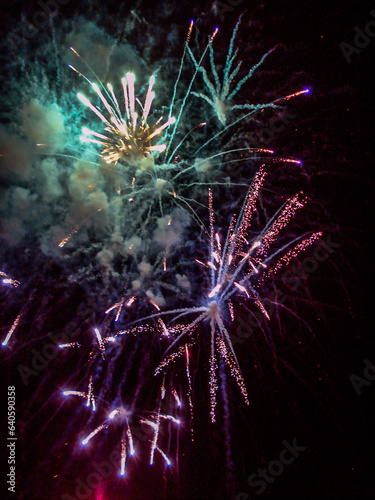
168 160
127 302
270 233
204 161
126 145
236 233
88 396
75 393
7 280
236 264
123 456
224 395
106 385
190 390
180 70
220 94
231 259
11 330
157 426
69 344
181 351
126 438
231 363
68 238
260 246
119 305
101 344
94 433
176 396
213 376
211 217
247 115
291 254
233 268
18 318
128 418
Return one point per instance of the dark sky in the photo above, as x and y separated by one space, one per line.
308 396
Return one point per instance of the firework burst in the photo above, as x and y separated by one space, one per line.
237 267
145 252
131 422
128 136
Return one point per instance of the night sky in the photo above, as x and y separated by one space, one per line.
305 370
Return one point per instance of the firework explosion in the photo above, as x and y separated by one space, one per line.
137 185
